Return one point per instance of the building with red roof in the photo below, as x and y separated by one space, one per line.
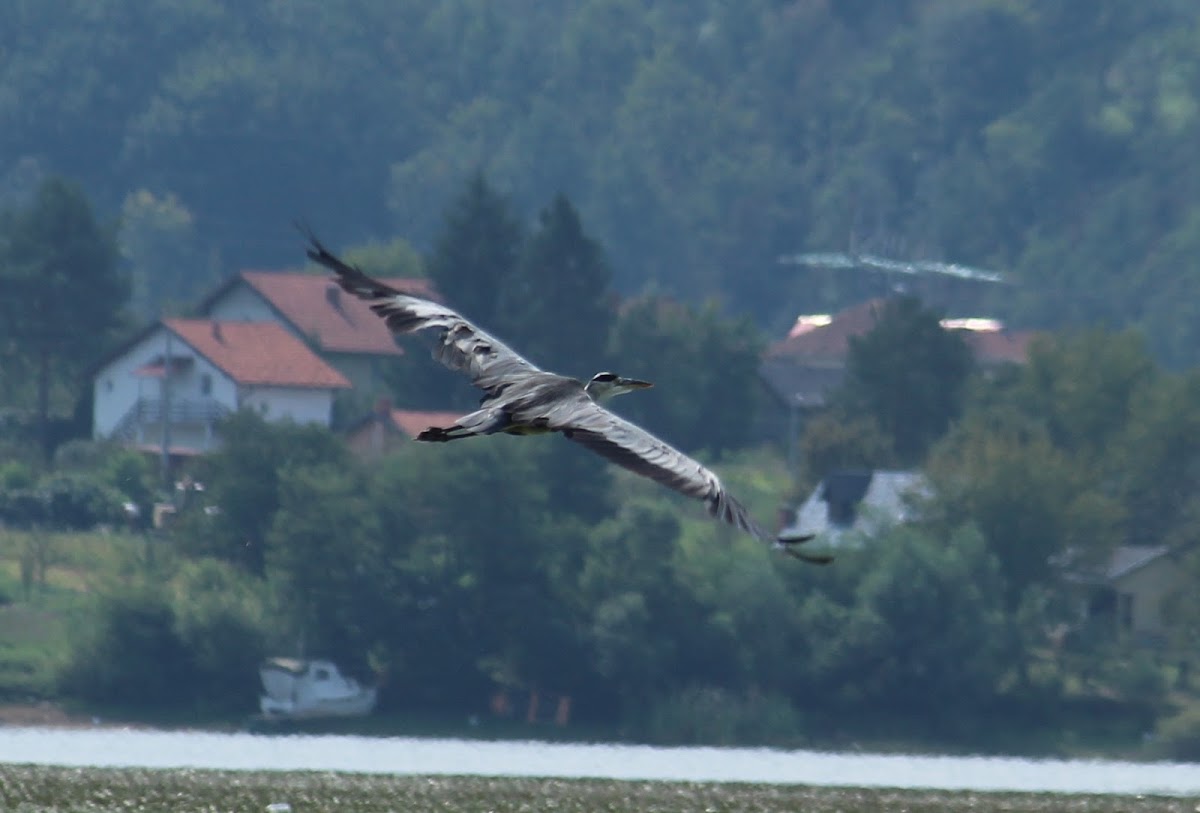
339 327
802 368
386 428
193 372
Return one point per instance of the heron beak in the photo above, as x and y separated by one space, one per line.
633 384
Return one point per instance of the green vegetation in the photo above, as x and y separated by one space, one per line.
51 790
524 565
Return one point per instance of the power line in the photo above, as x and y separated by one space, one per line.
843 260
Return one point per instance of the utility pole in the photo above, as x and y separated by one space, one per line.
164 407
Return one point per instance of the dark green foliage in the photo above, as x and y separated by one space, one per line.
908 373
557 305
63 296
709 716
130 654
316 559
914 626
477 250
1030 502
1179 736
143 647
703 366
465 571
222 627
243 480
63 502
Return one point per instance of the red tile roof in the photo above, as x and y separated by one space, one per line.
413 423
263 353
831 342
318 308
996 346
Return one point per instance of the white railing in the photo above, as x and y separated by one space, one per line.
179 412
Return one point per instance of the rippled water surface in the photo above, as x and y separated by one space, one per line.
400 755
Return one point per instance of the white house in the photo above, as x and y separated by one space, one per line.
341 328
195 371
861 503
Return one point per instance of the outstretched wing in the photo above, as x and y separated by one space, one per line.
627 444
489 362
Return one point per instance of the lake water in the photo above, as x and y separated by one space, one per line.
110 747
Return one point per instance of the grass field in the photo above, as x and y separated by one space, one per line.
43 789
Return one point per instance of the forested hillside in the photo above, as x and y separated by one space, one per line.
699 139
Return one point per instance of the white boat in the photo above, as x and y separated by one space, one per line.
298 689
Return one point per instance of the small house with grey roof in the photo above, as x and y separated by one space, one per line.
859 503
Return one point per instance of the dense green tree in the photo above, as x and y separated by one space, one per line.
633 603
221 621
1036 509
242 484
477 250
704 367
1081 388
927 625
556 306
316 558
909 374
1156 461
466 553
128 653
63 293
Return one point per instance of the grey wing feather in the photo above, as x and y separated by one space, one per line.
489 362
628 445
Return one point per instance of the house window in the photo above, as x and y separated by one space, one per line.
206 384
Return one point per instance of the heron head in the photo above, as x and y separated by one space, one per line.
606 385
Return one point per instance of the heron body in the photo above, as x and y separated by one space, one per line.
522 399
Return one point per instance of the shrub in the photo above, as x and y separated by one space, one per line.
129 654
194 643
703 715
1178 737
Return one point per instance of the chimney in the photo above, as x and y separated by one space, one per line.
333 295
216 331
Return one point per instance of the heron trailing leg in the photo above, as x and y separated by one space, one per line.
480 422
436 434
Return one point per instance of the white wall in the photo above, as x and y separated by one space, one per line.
288 403
116 389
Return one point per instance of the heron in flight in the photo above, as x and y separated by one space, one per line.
521 399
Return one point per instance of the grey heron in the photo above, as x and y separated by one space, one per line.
520 399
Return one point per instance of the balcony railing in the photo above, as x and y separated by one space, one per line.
147 412
187 410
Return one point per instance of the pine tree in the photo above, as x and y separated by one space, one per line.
557 309
63 294
476 251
